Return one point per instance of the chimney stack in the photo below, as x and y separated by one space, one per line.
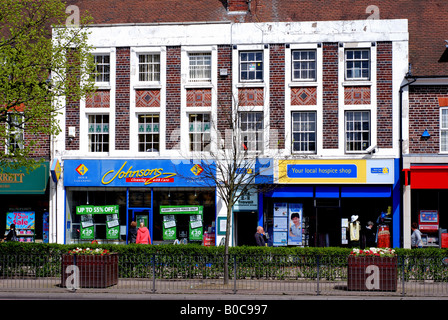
238 5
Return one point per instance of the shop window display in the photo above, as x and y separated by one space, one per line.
97 225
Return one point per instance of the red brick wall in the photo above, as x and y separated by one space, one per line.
173 89
122 98
237 5
277 96
225 97
72 120
384 95
424 113
330 95
41 148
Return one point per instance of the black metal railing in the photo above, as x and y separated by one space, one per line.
270 274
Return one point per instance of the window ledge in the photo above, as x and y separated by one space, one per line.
303 84
356 83
100 86
251 85
193 85
147 86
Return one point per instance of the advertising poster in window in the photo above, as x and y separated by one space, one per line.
112 227
280 229
295 224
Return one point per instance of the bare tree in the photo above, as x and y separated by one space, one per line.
232 162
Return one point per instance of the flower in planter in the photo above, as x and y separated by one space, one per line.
88 251
373 252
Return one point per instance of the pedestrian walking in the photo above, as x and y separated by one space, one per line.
143 235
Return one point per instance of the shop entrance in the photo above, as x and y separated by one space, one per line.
327 222
141 215
245 227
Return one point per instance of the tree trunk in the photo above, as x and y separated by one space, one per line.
226 245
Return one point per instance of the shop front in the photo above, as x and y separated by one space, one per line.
322 203
427 185
103 197
24 200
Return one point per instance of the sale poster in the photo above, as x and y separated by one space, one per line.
21 219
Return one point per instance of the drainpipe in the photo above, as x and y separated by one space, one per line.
401 144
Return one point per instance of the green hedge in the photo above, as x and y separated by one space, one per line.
193 249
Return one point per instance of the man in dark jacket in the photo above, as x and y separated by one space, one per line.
260 237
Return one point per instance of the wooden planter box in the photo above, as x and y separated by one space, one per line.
372 274
95 271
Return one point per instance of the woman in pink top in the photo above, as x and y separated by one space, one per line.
143 235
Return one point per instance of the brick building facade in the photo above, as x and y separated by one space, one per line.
352 101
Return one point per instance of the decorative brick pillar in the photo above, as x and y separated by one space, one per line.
173 91
277 96
384 95
72 120
122 98
225 97
330 96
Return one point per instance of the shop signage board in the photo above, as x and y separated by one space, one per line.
362 171
88 209
22 182
135 173
247 201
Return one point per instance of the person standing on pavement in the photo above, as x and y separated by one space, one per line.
12 234
143 235
260 237
133 232
416 237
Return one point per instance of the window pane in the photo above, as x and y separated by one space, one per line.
357 130
304 131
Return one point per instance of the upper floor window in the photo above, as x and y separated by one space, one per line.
444 130
199 131
98 133
357 130
304 131
357 64
200 67
102 62
304 65
148 133
251 131
251 66
149 67
15 132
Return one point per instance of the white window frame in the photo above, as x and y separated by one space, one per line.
358 130
444 130
199 132
200 67
302 128
355 69
149 71
102 77
15 132
252 61
306 63
251 136
148 131
94 141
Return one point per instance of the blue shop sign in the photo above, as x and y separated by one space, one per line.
135 173
322 171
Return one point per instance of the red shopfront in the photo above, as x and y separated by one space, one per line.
429 193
